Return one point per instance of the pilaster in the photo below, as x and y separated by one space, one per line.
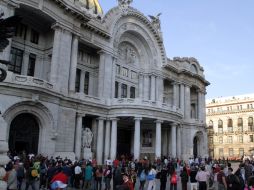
74 62
137 138
113 138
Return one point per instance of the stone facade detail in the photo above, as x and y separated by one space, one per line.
76 69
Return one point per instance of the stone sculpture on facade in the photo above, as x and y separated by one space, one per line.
156 21
87 141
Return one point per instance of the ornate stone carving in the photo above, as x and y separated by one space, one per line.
156 21
127 53
87 138
124 5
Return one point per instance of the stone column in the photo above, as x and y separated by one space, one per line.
187 102
74 62
78 136
182 102
119 90
113 139
137 138
100 137
91 85
158 139
94 131
159 89
128 91
152 90
146 87
107 140
179 140
175 95
173 139
164 144
55 55
140 86
25 62
82 82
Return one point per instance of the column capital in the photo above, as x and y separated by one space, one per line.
114 118
158 121
138 118
101 118
174 124
81 114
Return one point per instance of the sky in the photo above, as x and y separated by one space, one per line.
219 33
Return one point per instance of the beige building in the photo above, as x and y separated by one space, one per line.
230 126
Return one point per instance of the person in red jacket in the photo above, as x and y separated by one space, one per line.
127 182
59 181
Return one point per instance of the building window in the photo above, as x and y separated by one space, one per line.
16 61
230 125
116 89
220 126
134 75
250 123
86 83
220 140
31 65
240 124
77 82
211 123
221 152
132 92
231 151
240 139
117 69
230 139
124 72
251 138
124 91
211 140
21 31
241 151
34 37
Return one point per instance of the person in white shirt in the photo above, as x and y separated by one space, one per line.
202 177
77 177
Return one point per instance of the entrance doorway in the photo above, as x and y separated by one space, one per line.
24 134
195 147
123 142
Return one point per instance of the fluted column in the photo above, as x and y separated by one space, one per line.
25 62
182 102
173 139
55 55
78 136
146 87
152 90
113 139
74 62
99 151
158 139
159 89
137 138
82 81
187 102
175 95
179 140
140 86
107 140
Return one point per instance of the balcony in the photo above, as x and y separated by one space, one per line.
28 81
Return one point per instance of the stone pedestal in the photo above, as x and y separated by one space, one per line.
87 154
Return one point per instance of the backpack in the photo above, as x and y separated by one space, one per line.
142 176
173 179
34 173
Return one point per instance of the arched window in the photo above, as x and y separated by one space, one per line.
230 125
240 124
250 123
220 126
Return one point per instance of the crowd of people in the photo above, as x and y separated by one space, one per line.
38 172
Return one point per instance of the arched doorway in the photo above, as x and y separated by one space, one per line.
24 134
198 142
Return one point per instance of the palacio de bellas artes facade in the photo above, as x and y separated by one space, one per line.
73 67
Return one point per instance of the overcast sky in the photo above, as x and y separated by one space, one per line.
219 33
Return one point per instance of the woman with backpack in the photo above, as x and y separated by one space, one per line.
173 180
151 178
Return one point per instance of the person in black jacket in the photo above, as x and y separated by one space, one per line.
163 178
233 182
193 181
184 178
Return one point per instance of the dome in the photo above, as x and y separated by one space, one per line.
92 5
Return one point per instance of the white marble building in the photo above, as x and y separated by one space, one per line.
71 67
